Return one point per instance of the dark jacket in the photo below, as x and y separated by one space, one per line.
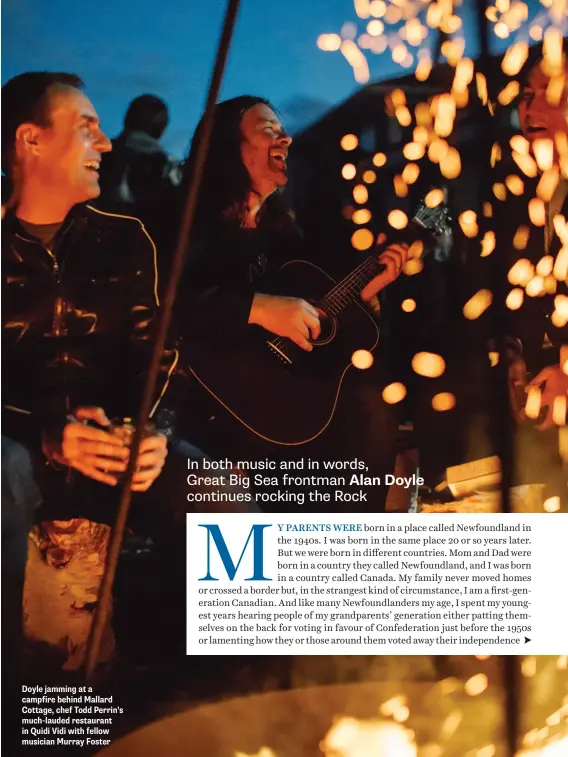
223 272
77 321
225 267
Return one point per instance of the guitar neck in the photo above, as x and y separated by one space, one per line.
349 289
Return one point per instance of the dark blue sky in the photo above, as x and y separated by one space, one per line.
122 48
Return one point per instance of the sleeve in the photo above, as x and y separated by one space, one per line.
215 295
144 311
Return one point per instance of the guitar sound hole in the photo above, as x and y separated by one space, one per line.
328 326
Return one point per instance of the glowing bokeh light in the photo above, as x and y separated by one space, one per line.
349 142
362 359
394 393
362 215
360 194
443 401
428 364
476 685
408 305
515 299
398 219
349 171
362 239
478 304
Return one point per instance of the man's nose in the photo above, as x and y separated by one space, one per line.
285 139
103 143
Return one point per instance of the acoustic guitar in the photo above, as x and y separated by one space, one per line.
303 387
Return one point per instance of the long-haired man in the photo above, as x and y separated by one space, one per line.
243 234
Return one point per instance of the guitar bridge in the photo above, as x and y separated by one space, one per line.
279 353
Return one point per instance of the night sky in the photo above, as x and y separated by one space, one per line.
123 48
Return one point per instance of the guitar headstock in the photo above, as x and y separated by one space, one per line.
435 220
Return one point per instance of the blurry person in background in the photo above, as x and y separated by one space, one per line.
138 169
243 234
544 123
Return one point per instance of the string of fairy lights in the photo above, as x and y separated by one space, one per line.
403 29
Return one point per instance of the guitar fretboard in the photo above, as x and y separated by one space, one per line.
350 288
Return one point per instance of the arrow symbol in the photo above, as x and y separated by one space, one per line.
527 639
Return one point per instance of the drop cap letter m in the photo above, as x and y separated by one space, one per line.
214 535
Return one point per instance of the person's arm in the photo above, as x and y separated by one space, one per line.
553 383
217 298
289 317
214 294
92 451
144 309
84 440
394 258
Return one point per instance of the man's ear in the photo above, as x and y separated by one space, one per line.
28 139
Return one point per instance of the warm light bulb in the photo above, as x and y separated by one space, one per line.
443 401
515 299
394 393
349 171
398 219
362 239
362 359
360 194
544 153
478 304
428 364
349 142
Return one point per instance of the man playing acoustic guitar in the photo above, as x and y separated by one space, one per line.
244 235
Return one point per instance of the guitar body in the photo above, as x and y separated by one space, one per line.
280 392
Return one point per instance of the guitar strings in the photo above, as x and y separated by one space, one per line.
353 278
337 295
369 261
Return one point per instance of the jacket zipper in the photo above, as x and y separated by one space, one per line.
60 303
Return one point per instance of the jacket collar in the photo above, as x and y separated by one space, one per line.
11 224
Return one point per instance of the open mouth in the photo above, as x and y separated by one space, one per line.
279 156
93 165
535 128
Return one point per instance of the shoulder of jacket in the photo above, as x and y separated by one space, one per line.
103 217
116 222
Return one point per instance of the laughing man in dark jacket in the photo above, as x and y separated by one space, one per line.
79 308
